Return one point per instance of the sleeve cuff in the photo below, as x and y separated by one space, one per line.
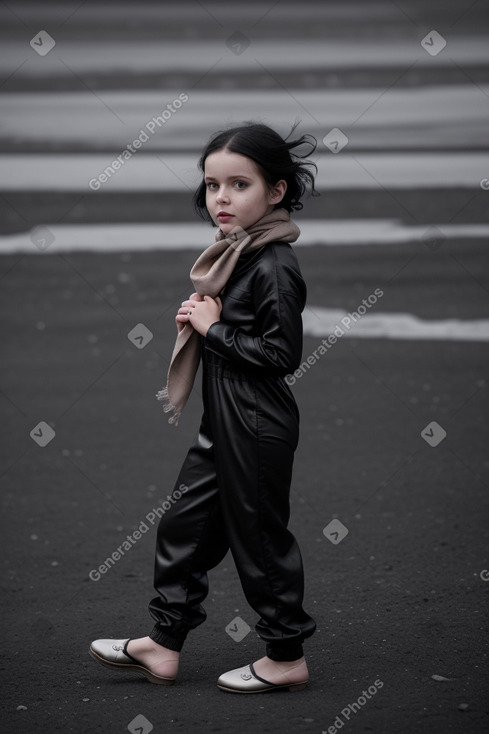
215 332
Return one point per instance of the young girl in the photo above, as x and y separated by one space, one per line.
244 323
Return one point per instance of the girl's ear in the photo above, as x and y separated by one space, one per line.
277 192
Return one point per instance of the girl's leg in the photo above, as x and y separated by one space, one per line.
191 540
254 459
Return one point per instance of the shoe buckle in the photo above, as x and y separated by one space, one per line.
246 676
117 647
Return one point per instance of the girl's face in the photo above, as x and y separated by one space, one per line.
236 192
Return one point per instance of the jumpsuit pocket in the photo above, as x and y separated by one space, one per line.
284 387
278 411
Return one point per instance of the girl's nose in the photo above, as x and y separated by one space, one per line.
221 196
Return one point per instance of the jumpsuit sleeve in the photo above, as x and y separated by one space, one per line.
275 344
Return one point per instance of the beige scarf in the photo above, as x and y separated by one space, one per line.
209 275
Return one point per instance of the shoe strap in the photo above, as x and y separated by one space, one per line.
138 662
255 674
124 650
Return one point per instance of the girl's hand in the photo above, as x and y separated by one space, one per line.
182 317
203 312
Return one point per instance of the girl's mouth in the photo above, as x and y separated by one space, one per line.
224 216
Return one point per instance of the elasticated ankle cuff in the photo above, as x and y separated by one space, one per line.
285 653
171 641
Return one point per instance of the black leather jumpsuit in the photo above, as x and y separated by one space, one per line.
237 472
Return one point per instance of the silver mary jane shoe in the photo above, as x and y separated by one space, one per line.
113 654
245 680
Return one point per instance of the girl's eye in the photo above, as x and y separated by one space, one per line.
240 185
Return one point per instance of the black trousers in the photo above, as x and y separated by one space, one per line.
232 492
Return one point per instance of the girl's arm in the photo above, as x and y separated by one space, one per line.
276 346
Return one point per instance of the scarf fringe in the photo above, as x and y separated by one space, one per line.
168 405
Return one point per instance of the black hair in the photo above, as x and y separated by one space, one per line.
272 154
